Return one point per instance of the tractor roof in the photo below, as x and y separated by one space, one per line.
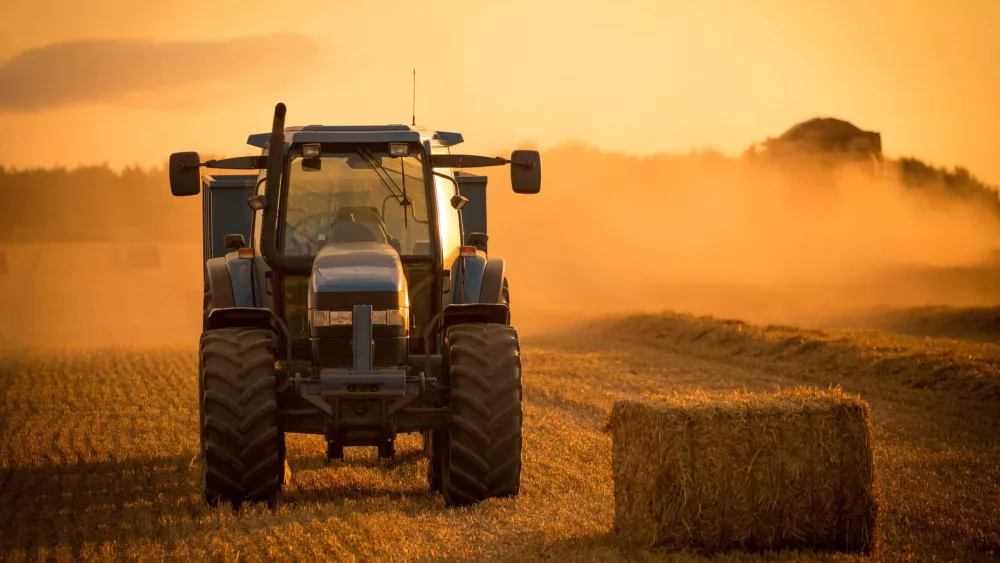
359 134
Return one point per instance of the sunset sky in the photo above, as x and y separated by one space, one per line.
125 82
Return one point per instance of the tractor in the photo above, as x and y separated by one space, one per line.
344 297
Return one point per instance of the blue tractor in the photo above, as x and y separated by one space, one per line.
360 309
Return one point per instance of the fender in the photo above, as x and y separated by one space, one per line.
494 313
492 286
474 267
219 284
483 279
235 317
251 317
244 287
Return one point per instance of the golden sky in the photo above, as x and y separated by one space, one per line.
130 82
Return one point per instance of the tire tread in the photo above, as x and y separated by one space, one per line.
485 440
243 458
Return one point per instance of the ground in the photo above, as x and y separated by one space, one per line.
98 452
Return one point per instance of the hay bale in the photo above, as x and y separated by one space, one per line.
787 470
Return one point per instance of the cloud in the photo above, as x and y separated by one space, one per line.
121 72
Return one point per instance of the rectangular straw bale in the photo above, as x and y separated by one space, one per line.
786 470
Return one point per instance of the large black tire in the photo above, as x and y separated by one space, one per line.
334 451
201 414
206 306
435 443
483 454
387 450
243 450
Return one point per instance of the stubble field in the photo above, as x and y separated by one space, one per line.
98 451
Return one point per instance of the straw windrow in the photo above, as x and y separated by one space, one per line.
793 469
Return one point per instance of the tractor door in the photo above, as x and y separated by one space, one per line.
226 210
473 188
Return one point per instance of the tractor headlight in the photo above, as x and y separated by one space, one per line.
312 150
321 318
341 318
331 318
390 317
387 317
397 317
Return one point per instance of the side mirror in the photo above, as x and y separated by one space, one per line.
526 172
185 174
257 202
234 241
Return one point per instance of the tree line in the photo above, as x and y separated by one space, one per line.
94 204
98 204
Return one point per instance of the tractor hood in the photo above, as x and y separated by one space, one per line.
357 273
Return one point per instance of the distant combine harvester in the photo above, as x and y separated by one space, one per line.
826 140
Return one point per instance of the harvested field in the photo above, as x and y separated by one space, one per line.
976 324
98 453
967 372
745 471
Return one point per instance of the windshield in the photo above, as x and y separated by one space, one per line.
357 196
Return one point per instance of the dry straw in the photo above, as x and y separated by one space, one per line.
786 470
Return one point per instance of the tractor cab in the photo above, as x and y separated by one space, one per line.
338 197
349 269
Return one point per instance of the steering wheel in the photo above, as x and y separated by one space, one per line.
318 221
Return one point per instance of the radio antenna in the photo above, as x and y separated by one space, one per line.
414 97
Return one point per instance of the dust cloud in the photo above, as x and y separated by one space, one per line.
97 294
706 234
609 233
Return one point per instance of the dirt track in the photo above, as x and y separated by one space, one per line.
98 452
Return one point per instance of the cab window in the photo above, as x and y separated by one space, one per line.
355 197
450 228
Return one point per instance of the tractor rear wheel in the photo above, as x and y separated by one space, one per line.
334 451
435 443
206 305
505 297
243 452
483 457
201 411
387 449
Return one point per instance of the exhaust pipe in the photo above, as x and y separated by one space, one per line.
269 249
276 150
275 166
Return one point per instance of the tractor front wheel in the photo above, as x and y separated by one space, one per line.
483 457
243 451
